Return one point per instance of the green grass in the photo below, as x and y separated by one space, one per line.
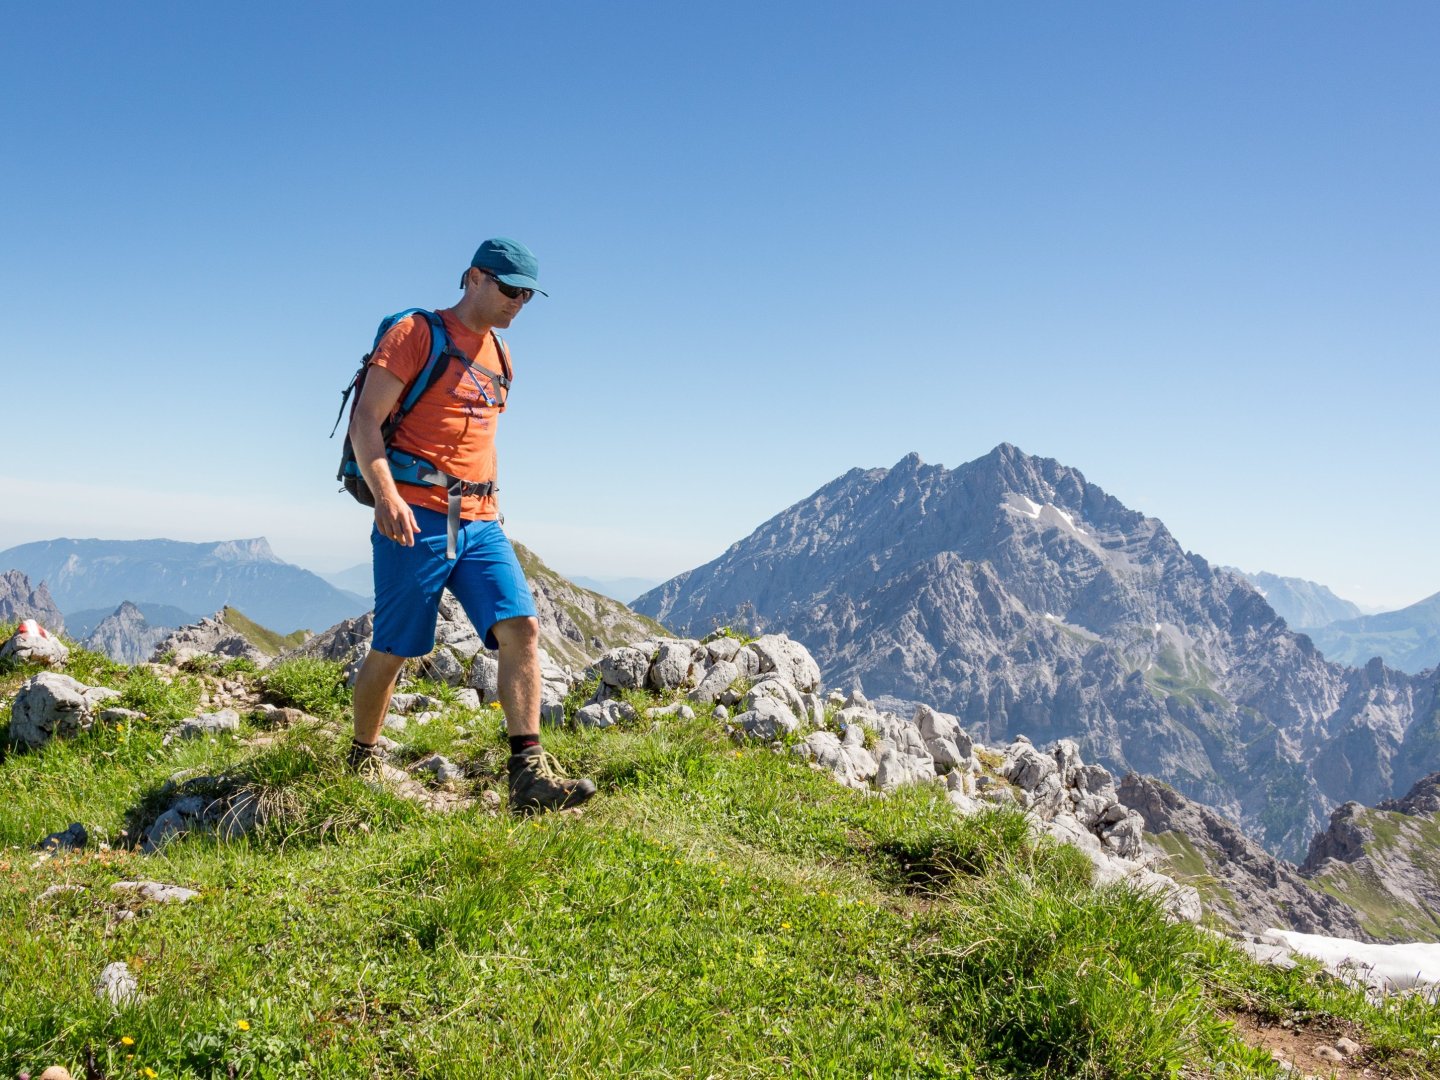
313 686
719 910
267 641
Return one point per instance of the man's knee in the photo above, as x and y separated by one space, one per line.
379 665
519 633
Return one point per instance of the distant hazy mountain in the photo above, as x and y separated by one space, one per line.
81 624
623 589
359 580
84 574
127 635
1303 604
1408 639
1016 594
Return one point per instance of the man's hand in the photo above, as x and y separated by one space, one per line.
395 519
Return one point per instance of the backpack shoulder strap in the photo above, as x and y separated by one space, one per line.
434 366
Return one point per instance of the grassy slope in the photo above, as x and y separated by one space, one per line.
719 911
267 641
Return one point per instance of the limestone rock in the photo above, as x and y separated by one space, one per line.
117 985
214 723
721 674
485 678
209 637
154 892
767 719
788 659
671 668
624 668
31 642
50 705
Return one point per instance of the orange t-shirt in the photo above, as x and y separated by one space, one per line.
452 426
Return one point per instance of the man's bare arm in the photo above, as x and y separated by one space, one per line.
393 516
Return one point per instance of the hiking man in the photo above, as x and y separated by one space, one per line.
445 529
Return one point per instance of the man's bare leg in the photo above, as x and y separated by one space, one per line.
519 641
373 687
535 786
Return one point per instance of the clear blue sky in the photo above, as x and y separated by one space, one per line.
1190 250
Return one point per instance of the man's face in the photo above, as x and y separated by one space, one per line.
496 307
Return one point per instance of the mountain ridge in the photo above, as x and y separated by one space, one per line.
1017 594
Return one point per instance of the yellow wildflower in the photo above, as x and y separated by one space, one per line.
126 1040
149 1072
243 1025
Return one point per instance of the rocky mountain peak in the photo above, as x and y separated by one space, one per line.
1016 593
19 600
243 551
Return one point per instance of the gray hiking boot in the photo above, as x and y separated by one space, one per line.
537 785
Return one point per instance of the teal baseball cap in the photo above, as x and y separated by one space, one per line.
510 261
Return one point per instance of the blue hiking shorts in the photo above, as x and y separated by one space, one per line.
485 577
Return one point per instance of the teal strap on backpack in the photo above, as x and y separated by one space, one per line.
408 468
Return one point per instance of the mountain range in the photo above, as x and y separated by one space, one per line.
1408 639
101 574
1025 599
1302 604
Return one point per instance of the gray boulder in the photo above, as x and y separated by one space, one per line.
154 891
722 648
624 668
849 762
215 723
944 738
604 714
485 677
718 679
34 644
50 705
442 665
767 719
117 985
671 667
789 659
677 710
774 686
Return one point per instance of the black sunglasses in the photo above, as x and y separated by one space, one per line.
514 292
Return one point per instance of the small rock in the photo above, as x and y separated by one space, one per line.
1328 1053
56 1072
1348 1047
444 770
71 839
209 724
117 984
155 891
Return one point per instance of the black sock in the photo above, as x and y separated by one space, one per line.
520 743
358 745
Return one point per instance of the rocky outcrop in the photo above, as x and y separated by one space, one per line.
54 706
1022 598
1241 884
208 637
19 601
126 637
1385 860
575 623
872 749
575 626
32 643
